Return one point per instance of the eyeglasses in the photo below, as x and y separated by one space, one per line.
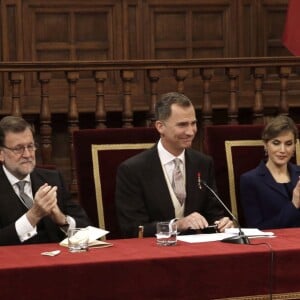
18 150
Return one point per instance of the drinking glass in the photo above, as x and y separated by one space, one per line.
78 240
166 233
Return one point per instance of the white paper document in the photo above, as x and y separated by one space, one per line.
250 232
94 234
230 232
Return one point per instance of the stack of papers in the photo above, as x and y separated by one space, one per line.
250 232
94 234
229 232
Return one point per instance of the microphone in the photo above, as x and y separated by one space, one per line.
241 238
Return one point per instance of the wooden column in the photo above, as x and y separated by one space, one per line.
73 123
232 111
127 114
16 79
284 74
181 75
45 118
100 113
206 75
258 107
153 76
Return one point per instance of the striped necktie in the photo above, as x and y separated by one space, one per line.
24 197
178 182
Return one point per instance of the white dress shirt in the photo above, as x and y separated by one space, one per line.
167 162
23 227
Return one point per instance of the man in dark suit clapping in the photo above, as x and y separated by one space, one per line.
35 206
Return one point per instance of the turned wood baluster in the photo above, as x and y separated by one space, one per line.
72 78
127 114
181 75
45 118
15 79
284 74
232 112
153 76
206 75
258 107
100 114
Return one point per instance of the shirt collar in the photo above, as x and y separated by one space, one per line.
165 156
12 179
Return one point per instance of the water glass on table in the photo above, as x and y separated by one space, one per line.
78 240
166 233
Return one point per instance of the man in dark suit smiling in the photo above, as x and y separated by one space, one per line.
35 206
146 192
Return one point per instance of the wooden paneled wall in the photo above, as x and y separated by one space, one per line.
70 30
50 132
122 30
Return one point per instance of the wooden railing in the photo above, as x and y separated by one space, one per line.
244 80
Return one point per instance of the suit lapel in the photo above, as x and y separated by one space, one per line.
36 181
155 178
268 179
294 173
270 182
10 205
53 231
191 172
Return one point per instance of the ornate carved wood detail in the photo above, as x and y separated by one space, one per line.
16 79
153 76
129 37
127 114
100 112
258 105
233 75
284 74
207 75
73 121
45 118
95 30
180 76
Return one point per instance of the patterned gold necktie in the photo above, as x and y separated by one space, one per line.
178 182
25 198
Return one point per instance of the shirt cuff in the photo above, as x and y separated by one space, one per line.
71 221
24 229
70 224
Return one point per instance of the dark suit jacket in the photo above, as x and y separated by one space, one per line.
267 204
11 209
143 198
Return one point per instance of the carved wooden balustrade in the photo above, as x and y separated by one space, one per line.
246 81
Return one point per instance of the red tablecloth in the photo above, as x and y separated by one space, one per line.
139 269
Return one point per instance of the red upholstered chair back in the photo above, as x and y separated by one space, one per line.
98 153
235 150
46 166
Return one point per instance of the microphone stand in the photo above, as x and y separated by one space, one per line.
241 238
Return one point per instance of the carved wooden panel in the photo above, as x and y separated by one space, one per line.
261 25
273 15
190 29
68 30
60 30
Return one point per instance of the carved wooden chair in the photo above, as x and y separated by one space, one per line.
235 149
98 153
